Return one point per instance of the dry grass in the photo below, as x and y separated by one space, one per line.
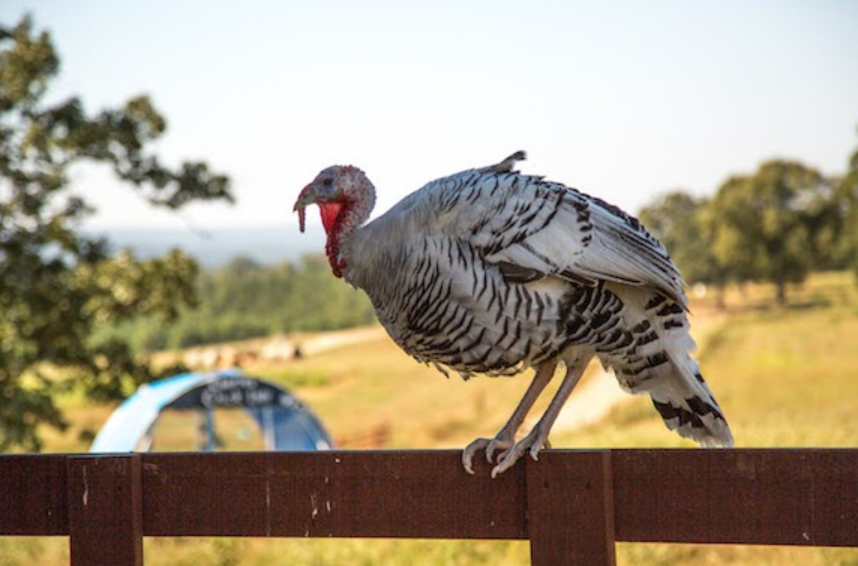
784 377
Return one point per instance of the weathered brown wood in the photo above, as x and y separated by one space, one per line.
105 511
395 494
742 496
570 509
739 496
33 495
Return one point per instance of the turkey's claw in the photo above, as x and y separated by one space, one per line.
500 443
534 442
470 450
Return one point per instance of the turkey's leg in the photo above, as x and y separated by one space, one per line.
538 437
505 438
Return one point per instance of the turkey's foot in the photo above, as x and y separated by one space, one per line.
503 441
534 441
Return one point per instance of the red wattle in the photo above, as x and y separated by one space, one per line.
330 211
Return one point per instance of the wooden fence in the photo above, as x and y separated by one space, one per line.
571 505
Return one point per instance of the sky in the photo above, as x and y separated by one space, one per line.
622 99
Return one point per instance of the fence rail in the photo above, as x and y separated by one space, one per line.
571 505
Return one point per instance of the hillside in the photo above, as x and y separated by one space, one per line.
247 299
784 377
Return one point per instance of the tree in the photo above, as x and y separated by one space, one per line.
773 225
57 285
848 195
680 221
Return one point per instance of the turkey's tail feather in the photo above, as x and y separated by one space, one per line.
661 365
685 402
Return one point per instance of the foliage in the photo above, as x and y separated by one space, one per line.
245 300
775 225
57 284
848 195
679 221
784 377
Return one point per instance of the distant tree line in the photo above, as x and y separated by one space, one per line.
776 225
73 314
246 299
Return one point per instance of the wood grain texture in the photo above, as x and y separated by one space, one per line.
105 510
571 509
569 504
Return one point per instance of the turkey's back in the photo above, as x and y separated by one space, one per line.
492 273
428 267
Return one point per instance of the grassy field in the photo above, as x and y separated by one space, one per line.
785 377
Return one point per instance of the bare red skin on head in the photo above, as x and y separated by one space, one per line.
331 214
330 211
334 212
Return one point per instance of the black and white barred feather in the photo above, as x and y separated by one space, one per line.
490 271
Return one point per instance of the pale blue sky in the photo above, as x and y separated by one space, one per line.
621 99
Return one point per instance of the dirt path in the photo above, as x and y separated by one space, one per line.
336 339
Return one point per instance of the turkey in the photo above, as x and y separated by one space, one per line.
490 271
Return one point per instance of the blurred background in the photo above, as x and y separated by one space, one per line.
150 154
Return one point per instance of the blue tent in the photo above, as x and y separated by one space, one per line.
285 422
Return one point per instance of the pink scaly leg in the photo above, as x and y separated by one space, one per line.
538 437
505 438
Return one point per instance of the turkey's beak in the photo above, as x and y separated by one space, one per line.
307 197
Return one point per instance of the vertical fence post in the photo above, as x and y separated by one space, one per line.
105 510
570 509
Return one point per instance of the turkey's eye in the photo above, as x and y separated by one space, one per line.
328 182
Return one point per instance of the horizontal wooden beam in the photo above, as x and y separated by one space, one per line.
805 497
740 496
33 495
396 494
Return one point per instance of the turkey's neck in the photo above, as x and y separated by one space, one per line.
354 213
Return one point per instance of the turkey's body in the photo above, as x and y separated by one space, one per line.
490 272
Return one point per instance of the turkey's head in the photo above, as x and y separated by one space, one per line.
345 198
